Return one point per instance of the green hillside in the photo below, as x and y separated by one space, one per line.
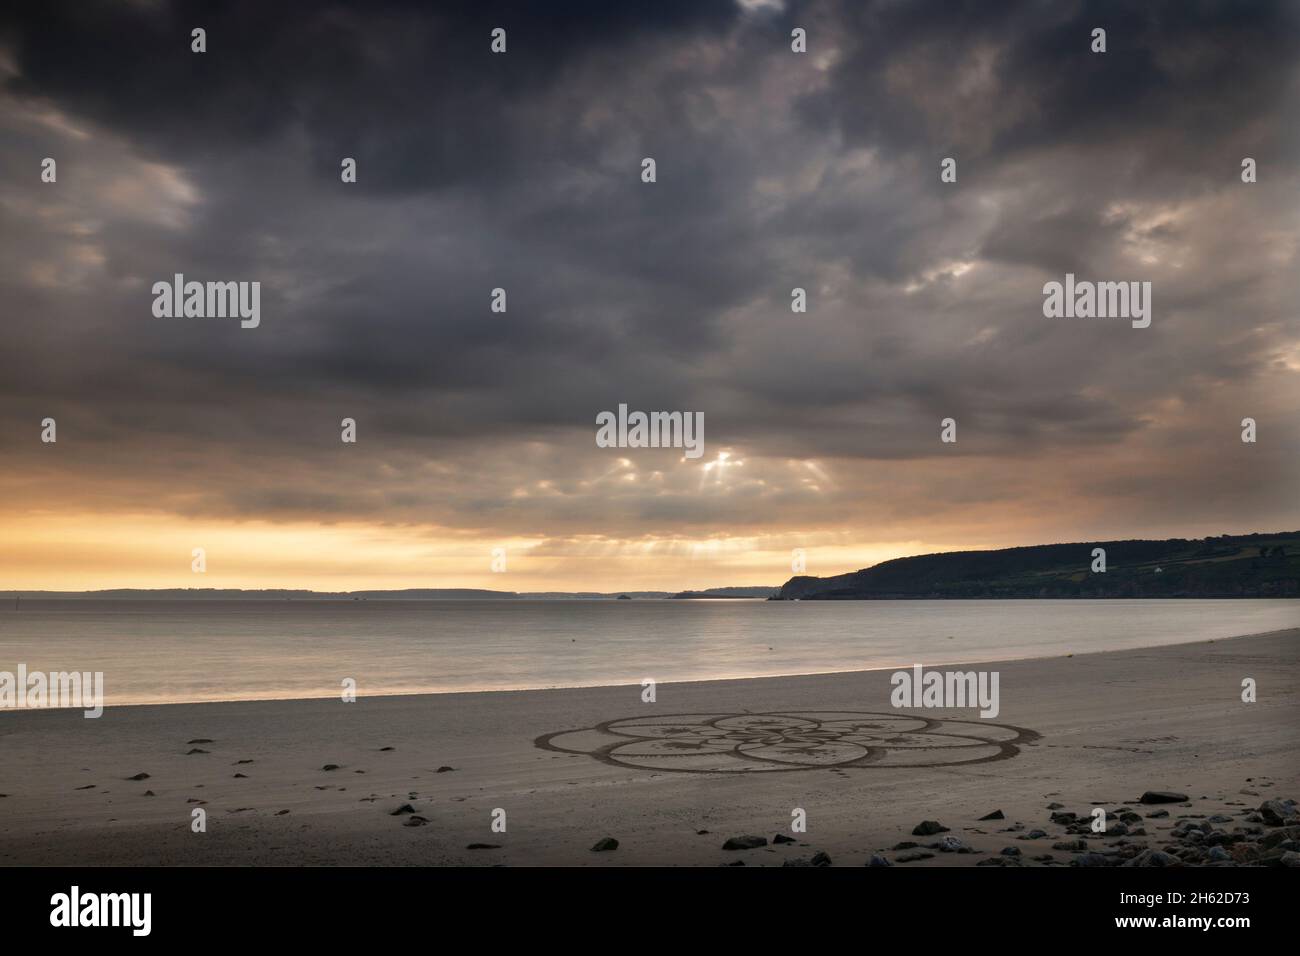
1254 565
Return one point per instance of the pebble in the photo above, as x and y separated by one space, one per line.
747 842
928 828
950 844
1162 796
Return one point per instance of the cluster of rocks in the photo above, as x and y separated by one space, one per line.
913 851
1266 836
910 850
751 842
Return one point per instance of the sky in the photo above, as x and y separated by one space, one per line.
774 170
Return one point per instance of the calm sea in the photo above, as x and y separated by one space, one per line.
167 651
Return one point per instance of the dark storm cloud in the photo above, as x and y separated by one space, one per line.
411 88
522 171
996 79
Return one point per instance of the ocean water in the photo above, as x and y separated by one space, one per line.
172 651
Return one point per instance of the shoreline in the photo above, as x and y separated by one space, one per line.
1095 729
956 662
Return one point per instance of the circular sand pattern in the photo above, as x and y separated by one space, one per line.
795 740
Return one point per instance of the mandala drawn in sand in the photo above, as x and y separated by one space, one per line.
794 740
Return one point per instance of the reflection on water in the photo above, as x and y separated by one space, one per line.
160 651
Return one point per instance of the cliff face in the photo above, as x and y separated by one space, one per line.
1257 565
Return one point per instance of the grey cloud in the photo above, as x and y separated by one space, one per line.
522 171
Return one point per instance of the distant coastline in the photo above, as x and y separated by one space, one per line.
1259 565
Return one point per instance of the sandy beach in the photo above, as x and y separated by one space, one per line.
732 758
